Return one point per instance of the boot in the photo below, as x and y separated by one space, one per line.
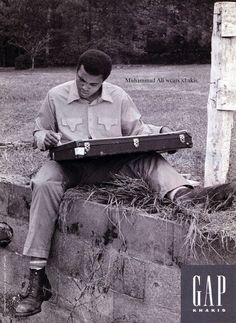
37 291
213 197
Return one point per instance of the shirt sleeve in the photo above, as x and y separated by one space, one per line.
131 121
45 121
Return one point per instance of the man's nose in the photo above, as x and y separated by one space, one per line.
85 86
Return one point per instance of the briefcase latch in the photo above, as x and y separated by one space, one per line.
86 146
182 138
136 142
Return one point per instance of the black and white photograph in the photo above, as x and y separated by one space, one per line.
117 161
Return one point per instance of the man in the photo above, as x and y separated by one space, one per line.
89 107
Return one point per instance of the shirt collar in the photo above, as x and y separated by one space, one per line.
74 95
106 96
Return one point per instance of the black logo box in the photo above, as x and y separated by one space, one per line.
209 283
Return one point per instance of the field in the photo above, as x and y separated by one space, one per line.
177 98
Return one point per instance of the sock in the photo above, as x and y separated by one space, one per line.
38 264
171 194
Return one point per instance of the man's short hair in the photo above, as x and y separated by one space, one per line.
95 62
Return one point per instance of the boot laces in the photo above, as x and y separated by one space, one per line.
30 286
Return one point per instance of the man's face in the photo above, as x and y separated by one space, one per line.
87 84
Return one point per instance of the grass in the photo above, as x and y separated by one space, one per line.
179 105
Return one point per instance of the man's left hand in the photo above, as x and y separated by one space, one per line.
166 129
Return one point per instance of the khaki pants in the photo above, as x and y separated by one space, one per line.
54 178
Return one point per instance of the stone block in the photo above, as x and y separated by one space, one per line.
53 274
179 249
147 237
15 199
203 256
86 219
12 270
110 269
69 254
4 319
132 310
85 300
162 287
20 229
19 201
128 277
80 258
141 235
4 197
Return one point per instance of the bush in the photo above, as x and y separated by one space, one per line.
22 62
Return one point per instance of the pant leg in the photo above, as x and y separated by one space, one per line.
47 190
162 177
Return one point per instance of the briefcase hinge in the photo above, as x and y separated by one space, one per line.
136 142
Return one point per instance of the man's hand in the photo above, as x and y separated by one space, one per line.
166 129
51 139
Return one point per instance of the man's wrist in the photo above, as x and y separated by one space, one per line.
39 137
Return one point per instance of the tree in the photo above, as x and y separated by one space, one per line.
5 51
27 25
131 31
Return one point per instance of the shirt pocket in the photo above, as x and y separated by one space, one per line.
71 123
107 122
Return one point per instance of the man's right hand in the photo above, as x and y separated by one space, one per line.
51 139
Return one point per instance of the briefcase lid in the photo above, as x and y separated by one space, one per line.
117 140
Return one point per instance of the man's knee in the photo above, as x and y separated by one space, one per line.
148 162
50 174
45 184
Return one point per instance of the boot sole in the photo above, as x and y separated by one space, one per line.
25 314
4 243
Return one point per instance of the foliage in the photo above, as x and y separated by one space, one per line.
22 62
149 31
179 31
27 25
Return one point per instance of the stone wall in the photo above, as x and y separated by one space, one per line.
106 265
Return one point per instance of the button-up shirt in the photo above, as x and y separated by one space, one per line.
112 114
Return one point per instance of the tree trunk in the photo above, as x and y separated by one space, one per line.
32 62
47 50
90 8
